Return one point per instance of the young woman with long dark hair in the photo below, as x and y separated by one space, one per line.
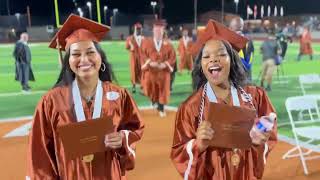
218 77
83 91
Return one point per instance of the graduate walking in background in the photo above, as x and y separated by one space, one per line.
184 46
218 77
134 45
84 91
305 44
175 67
158 63
22 55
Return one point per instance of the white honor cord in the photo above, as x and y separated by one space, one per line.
158 46
138 39
78 103
212 97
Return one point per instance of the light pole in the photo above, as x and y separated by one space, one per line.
105 8
195 13
18 18
80 12
237 3
8 7
115 11
90 9
222 11
154 4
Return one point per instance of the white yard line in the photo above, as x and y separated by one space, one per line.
20 131
21 93
16 119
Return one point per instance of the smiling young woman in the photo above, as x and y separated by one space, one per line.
218 77
83 91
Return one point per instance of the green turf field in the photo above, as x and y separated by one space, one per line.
46 69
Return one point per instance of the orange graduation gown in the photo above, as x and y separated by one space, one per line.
305 43
156 83
46 158
215 163
135 59
186 60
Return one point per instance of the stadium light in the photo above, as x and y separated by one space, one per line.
154 4
237 3
105 8
90 9
80 11
18 18
115 12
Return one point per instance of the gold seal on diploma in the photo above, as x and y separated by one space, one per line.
235 159
88 158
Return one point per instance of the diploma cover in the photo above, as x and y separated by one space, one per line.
231 125
86 137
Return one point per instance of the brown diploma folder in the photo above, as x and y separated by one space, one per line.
231 125
87 137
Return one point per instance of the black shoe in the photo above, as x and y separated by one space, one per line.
133 89
268 88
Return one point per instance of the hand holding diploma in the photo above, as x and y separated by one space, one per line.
113 140
204 135
154 64
162 66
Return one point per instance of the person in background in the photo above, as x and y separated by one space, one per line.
159 59
246 54
283 38
175 68
133 45
186 60
22 55
270 50
305 43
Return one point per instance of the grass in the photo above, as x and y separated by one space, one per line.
46 68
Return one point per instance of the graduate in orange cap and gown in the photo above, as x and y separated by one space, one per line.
218 77
158 62
184 47
84 91
134 45
305 43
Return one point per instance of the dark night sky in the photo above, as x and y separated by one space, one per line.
174 11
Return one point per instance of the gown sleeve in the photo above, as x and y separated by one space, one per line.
41 159
131 126
184 153
171 59
145 57
261 152
128 43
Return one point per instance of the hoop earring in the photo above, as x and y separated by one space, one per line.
103 67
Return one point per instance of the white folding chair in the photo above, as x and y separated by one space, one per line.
302 127
308 79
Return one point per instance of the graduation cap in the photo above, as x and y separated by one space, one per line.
138 25
217 31
76 29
